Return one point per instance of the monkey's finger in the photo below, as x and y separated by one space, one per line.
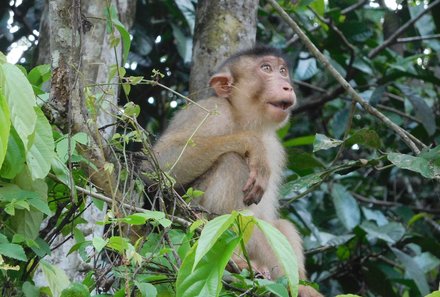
254 196
250 182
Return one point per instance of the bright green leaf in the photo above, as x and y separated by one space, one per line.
21 101
284 253
211 233
205 278
15 156
146 289
41 153
5 125
98 243
56 277
12 250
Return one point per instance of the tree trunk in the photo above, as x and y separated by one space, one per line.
222 28
81 56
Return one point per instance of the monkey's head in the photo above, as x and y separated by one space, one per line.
257 83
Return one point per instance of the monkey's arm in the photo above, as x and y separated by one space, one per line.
202 152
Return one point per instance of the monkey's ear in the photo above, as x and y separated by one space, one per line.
222 84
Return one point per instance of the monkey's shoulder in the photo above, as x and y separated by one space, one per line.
211 116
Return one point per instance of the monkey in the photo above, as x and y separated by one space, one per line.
234 155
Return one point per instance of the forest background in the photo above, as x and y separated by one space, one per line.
85 86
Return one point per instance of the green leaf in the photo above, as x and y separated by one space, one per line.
422 110
304 140
56 278
346 207
13 251
126 42
306 68
5 125
429 168
205 279
76 290
21 101
184 44
391 232
277 290
30 290
293 188
146 289
15 156
188 10
413 271
118 243
284 253
365 137
61 171
348 295
39 75
434 294
41 153
323 142
211 233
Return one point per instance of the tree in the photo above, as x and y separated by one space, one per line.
362 184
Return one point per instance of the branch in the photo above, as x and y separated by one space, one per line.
318 55
393 204
402 29
127 206
417 38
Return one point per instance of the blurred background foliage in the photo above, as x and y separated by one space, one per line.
369 227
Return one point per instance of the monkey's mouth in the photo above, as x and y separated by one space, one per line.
282 104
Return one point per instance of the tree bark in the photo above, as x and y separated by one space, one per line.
222 28
80 56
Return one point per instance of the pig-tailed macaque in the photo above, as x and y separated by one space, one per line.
235 156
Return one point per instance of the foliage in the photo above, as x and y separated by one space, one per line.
367 206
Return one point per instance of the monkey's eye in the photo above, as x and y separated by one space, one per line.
283 71
266 68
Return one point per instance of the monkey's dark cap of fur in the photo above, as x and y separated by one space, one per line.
256 51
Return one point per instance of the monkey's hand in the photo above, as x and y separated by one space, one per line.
306 291
259 173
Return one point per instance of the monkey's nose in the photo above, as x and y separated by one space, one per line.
288 88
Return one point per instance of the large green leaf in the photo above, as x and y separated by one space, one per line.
391 232
5 125
427 163
41 153
15 156
205 279
346 207
21 101
413 271
211 233
284 253
13 251
56 278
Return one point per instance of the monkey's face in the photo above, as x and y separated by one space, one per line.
277 95
264 86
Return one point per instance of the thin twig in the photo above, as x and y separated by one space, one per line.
417 38
393 204
318 55
402 29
